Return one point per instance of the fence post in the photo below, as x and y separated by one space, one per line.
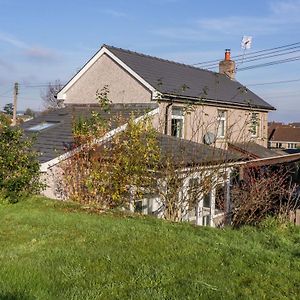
292 216
297 217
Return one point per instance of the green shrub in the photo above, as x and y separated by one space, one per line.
19 166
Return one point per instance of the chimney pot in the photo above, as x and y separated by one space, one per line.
227 66
227 54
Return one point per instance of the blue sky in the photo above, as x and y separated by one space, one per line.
41 41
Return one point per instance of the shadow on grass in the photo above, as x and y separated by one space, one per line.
296 253
15 296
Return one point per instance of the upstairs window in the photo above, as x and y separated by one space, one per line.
177 122
221 119
254 123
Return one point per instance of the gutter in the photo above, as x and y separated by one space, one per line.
250 163
208 101
260 161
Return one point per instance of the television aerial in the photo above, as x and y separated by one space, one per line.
246 45
246 42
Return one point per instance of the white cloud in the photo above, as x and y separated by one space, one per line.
9 39
42 54
115 13
286 7
281 15
236 25
32 52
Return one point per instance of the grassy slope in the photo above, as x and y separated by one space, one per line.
51 250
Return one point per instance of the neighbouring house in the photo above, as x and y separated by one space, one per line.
208 117
294 124
286 137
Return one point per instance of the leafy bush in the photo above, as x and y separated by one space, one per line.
264 192
116 172
19 167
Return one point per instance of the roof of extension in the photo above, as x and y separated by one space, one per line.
57 139
188 153
252 150
172 78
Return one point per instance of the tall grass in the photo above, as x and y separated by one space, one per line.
55 250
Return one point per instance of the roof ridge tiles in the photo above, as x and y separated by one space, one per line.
160 59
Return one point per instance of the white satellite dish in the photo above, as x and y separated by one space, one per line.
209 138
246 42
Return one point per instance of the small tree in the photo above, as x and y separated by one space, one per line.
49 96
29 112
8 109
19 166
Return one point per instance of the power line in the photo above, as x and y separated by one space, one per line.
271 63
261 56
8 91
36 85
276 62
251 53
273 82
282 96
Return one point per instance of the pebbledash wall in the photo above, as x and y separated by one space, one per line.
202 119
123 88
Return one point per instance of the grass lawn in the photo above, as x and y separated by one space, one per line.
55 250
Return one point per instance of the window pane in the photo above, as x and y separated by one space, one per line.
176 127
193 190
221 128
221 123
177 111
221 113
206 200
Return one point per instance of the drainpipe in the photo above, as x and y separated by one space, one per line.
166 117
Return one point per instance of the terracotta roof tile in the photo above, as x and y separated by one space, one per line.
286 134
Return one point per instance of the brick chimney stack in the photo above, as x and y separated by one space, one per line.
227 66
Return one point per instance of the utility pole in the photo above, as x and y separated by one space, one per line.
16 93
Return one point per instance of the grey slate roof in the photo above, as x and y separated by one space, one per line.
170 77
252 150
188 153
56 140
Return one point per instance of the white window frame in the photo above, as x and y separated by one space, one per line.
180 118
292 146
254 118
221 119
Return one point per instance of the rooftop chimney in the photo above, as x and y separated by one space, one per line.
227 66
